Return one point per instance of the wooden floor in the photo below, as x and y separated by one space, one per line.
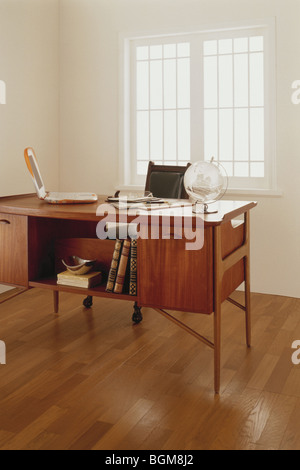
92 380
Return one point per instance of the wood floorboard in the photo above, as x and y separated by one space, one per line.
90 379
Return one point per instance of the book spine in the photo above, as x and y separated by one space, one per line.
122 267
133 268
114 267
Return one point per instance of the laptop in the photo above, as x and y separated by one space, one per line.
53 197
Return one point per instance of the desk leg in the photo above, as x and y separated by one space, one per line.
247 302
56 301
218 276
217 347
247 281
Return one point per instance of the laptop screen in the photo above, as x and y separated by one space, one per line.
35 172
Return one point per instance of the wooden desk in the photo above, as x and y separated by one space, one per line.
34 235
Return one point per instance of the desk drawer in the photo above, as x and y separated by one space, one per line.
13 250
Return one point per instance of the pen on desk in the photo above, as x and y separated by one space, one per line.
156 202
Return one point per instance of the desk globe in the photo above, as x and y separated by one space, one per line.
205 182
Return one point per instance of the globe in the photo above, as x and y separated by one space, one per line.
205 182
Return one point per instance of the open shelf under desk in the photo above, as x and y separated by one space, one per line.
98 291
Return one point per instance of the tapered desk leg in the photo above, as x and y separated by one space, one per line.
56 301
247 304
218 276
217 347
247 281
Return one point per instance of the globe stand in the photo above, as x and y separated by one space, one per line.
200 208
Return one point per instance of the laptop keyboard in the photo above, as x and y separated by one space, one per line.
69 196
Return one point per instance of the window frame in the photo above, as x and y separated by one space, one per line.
127 130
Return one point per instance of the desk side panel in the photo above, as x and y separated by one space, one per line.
232 238
174 278
13 250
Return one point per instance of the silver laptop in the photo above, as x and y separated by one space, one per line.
53 197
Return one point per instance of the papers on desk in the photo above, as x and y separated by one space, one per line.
122 205
132 201
147 204
165 205
135 200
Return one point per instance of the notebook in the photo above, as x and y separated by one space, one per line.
53 197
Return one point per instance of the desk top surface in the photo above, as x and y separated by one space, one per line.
30 205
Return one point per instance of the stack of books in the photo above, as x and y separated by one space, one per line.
122 275
87 281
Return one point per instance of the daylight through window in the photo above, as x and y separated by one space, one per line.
202 95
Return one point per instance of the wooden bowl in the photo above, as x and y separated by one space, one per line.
78 266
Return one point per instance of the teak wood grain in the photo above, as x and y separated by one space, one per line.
85 248
30 205
176 279
169 275
13 250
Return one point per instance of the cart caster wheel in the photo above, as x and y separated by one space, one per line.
88 302
137 316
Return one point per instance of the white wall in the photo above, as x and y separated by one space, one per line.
60 62
89 110
29 65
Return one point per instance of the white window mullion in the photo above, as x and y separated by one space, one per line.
133 120
233 104
218 103
163 108
249 108
149 104
197 101
176 104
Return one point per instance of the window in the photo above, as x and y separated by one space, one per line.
201 95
